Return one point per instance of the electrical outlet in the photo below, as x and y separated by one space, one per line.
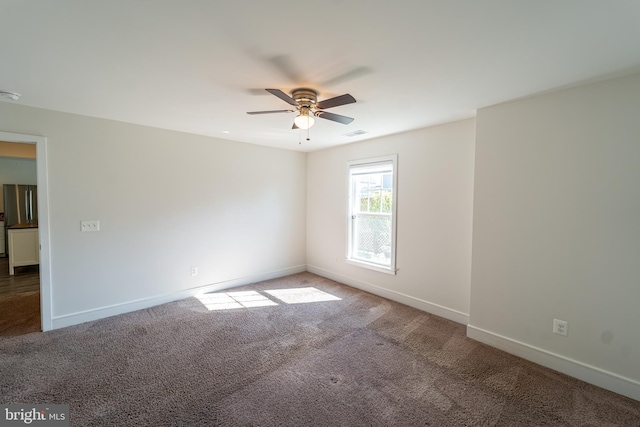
193 271
560 327
93 225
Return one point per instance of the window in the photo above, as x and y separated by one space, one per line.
371 227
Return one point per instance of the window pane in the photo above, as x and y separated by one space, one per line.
386 193
373 192
372 238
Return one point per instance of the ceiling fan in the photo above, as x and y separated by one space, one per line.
305 101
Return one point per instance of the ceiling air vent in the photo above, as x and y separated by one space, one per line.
354 133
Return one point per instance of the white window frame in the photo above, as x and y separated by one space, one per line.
356 164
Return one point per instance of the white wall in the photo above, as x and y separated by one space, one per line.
435 189
166 201
556 230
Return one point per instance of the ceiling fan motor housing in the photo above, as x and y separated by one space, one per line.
305 97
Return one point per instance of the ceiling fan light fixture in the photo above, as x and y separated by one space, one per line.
304 121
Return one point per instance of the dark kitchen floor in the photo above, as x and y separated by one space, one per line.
26 279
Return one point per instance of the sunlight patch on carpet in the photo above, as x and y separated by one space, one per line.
231 300
248 299
302 295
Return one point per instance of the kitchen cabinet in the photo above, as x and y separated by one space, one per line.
24 248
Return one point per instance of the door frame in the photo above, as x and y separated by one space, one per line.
46 312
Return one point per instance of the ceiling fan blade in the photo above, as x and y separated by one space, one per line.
284 64
335 117
280 94
347 75
270 111
334 102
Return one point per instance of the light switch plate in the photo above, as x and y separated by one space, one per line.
93 225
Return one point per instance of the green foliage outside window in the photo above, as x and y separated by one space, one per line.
371 203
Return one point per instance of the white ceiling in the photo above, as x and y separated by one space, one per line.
199 66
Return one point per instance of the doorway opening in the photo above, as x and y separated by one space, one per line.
34 280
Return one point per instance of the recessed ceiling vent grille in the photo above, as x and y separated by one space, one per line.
354 133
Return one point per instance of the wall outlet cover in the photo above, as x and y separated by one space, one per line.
560 327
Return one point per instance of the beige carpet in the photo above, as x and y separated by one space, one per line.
357 361
19 313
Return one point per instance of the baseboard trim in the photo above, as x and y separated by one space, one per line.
574 368
126 307
414 302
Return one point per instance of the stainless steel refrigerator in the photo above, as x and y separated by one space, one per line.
20 206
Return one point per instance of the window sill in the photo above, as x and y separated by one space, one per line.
369 266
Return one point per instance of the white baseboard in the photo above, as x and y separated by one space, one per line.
591 374
414 302
129 306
